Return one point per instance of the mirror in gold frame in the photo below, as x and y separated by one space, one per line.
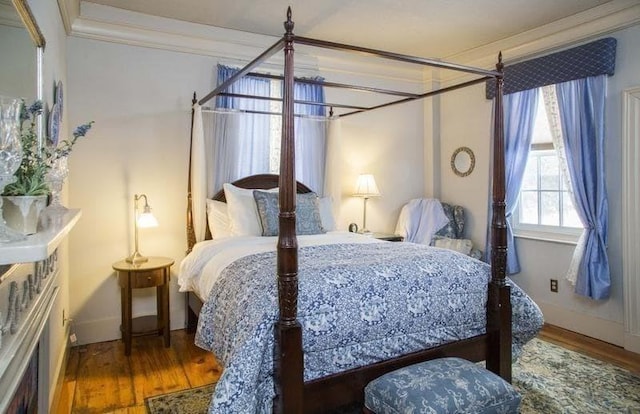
21 52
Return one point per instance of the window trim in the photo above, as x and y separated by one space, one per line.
564 235
541 232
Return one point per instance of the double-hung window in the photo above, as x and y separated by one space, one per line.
545 206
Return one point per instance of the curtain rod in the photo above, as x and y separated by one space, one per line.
335 84
297 101
251 111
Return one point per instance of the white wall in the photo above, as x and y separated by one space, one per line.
600 319
55 69
140 100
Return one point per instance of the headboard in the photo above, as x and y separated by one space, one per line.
257 182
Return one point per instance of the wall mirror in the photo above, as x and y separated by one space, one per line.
463 161
21 48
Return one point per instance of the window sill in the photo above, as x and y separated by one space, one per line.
547 236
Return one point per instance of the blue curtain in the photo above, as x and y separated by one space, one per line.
519 118
241 145
311 136
581 103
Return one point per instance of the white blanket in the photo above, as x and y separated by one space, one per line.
200 269
420 219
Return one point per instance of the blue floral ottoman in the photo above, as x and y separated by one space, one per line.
445 385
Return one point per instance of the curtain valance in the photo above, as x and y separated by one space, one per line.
592 59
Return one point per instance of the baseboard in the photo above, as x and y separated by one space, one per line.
602 329
61 367
101 330
109 329
632 343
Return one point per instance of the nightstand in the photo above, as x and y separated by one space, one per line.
153 273
388 237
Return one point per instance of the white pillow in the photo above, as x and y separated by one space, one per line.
459 245
218 219
326 214
242 211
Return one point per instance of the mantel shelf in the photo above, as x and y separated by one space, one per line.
40 245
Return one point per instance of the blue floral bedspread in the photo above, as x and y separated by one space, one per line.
357 304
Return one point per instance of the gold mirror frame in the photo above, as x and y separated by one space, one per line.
24 11
460 152
30 23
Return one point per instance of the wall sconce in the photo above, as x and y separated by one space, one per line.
366 187
142 220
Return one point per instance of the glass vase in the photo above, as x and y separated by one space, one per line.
55 180
54 212
10 156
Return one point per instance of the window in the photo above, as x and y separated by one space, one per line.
545 207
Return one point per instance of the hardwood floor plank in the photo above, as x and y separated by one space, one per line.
100 379
68 389
592 347
103 379
155 369
200 366
137 409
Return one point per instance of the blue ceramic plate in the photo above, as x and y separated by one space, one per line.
54 124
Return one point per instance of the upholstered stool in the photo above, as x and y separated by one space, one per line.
446 385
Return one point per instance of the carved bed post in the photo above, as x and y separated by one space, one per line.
191 234
288 362
191 320
499 299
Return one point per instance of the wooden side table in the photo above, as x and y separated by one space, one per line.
153 273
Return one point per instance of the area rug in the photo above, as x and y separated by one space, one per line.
550 378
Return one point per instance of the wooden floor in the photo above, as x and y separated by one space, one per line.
100 379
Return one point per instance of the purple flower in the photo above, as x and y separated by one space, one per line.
82 130
35 108
29 112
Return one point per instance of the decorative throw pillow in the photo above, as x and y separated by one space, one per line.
308 219
218 219
241 208
463 246
326 214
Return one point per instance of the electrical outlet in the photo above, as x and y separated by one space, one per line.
554 285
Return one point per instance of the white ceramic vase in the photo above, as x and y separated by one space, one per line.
22 213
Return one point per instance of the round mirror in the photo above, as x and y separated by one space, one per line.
463 161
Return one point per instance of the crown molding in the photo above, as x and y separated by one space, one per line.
110 24
98 22
568 32
69 12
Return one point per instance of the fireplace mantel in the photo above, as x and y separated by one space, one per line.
39 246
30 311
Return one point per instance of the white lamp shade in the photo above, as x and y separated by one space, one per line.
366 186
147 219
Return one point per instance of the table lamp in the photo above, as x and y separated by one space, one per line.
141 220
366 187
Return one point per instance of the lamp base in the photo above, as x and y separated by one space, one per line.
136 258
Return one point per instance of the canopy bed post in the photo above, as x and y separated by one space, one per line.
191 319
288 361
499 293
191 233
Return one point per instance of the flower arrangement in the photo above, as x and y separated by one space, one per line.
30 174
37 160
64 149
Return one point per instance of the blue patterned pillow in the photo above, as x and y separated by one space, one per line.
446 385
308 219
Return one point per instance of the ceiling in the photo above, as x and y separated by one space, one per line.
430 28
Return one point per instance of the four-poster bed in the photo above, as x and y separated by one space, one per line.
293 393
